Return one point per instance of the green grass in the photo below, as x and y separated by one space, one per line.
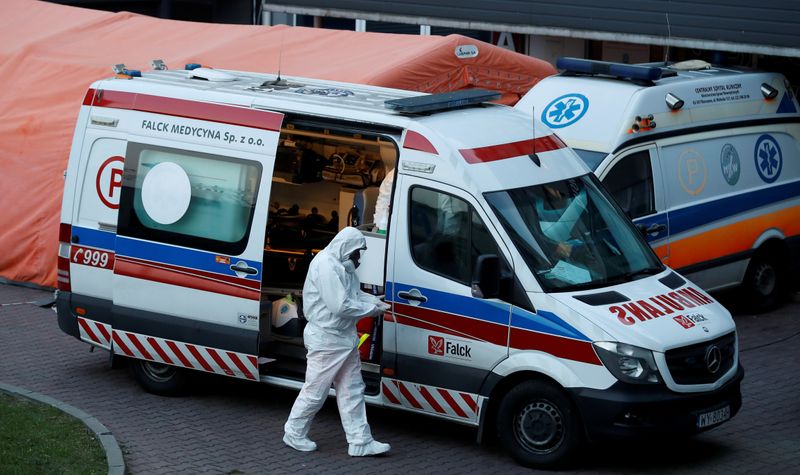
36 438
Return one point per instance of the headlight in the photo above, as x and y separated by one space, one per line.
628 363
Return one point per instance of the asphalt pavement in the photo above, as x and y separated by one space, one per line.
230 427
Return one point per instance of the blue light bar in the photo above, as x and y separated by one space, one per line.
618 70
192 66
134 73
440 102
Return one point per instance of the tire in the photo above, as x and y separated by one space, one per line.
539 425
160 379
764 283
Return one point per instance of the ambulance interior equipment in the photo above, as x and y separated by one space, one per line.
324 179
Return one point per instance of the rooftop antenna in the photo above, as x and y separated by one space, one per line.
279 83
280 54
533 155
669 40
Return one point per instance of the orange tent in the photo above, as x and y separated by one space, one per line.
49 54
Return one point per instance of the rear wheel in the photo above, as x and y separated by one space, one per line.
764 282
161 379
539 425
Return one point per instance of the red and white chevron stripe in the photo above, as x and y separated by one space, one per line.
96 333
419 397
203 358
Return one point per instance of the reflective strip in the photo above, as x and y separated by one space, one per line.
94 332
432 399
176 353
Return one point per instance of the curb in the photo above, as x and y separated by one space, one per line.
116 464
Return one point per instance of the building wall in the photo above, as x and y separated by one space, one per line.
768 22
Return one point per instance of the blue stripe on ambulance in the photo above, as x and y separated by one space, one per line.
94 238
488 311
690 217
179 256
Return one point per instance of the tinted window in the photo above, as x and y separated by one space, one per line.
590 158
221 199
630 182
447 235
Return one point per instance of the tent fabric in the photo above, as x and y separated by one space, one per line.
50 54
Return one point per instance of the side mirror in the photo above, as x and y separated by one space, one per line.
486 280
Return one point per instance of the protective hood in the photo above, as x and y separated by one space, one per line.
343 244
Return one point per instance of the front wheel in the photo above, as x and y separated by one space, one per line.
161 379
764 283
539 425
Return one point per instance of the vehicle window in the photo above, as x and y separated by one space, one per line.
571 236
189 198
590 158
447 235
630 182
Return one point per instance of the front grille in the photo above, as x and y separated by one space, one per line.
688 364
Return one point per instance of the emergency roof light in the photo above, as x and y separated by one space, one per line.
617 70
440 102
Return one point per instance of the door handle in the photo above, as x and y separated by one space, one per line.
413 294
654 228
242 266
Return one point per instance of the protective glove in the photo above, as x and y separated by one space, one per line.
380 308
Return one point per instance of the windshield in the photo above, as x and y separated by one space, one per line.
572 236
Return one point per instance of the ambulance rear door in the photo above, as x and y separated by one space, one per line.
190 242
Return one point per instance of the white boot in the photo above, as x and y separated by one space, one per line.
365 450
303 444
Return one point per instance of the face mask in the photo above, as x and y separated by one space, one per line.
354 257
349 266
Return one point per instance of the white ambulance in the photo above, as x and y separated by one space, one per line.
705 160
524 302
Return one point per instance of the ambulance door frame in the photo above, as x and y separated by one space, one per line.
404 183
660 215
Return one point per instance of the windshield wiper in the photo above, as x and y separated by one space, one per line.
642 272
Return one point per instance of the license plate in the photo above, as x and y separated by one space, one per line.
711 418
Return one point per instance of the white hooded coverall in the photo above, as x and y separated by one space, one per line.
333 303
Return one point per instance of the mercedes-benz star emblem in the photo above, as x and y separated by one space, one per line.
713 359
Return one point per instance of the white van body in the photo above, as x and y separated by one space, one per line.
715 178
175 249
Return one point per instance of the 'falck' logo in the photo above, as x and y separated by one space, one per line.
436 345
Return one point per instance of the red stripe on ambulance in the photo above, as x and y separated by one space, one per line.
190 278
220 113
511 150
177 352
495 333
452 402
407 394
154 344
431 400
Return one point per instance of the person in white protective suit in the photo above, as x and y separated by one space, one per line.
333 303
